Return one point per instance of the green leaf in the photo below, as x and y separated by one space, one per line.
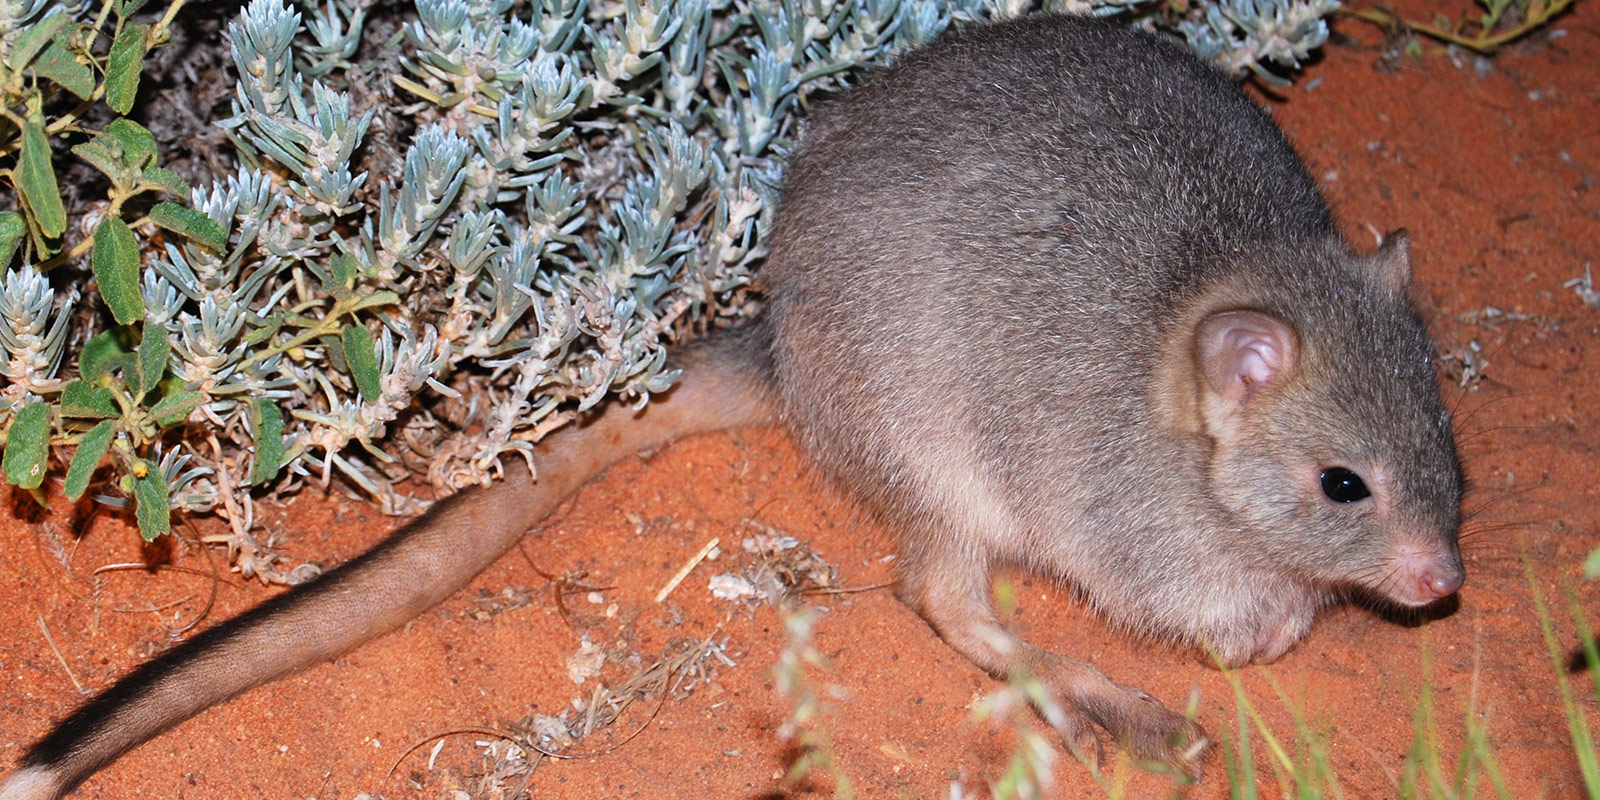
81 400
105 154
104 353
125 151
334 352
191 224
363 361
60 65
269 328
175 407
127 8
383 298
12 229
91 448
268 423
36 37
343 271
170 182
116 268
153 351
138 143
27 446
153 509
1591 565
36 179
123 65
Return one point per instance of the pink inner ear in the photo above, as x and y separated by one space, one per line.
1241 351
1259 360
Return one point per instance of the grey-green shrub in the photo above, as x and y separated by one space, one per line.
587 178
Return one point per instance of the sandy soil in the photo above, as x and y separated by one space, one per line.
1492 168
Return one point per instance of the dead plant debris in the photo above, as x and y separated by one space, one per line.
516 751
776 570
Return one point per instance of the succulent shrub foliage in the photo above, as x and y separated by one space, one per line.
565 187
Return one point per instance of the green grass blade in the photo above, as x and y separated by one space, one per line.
1582 742
1240 767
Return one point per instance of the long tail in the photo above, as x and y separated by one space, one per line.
725 384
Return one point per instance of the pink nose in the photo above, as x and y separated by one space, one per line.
1437 583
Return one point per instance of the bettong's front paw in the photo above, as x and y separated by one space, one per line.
1089 702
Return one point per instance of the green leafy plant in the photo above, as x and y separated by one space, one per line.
62 67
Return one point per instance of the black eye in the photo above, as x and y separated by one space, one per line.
1343 486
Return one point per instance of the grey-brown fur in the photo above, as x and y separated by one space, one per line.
1048 292
986 279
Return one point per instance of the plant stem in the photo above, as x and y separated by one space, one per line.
1482 43
329 324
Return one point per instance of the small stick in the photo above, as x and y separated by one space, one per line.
139 565
151 608
59 657
849 589
210 599
688 566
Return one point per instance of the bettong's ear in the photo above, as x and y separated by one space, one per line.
1239 353
1391 265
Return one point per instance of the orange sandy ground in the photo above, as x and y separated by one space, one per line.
1494 175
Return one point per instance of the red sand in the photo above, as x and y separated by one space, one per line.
1493 174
